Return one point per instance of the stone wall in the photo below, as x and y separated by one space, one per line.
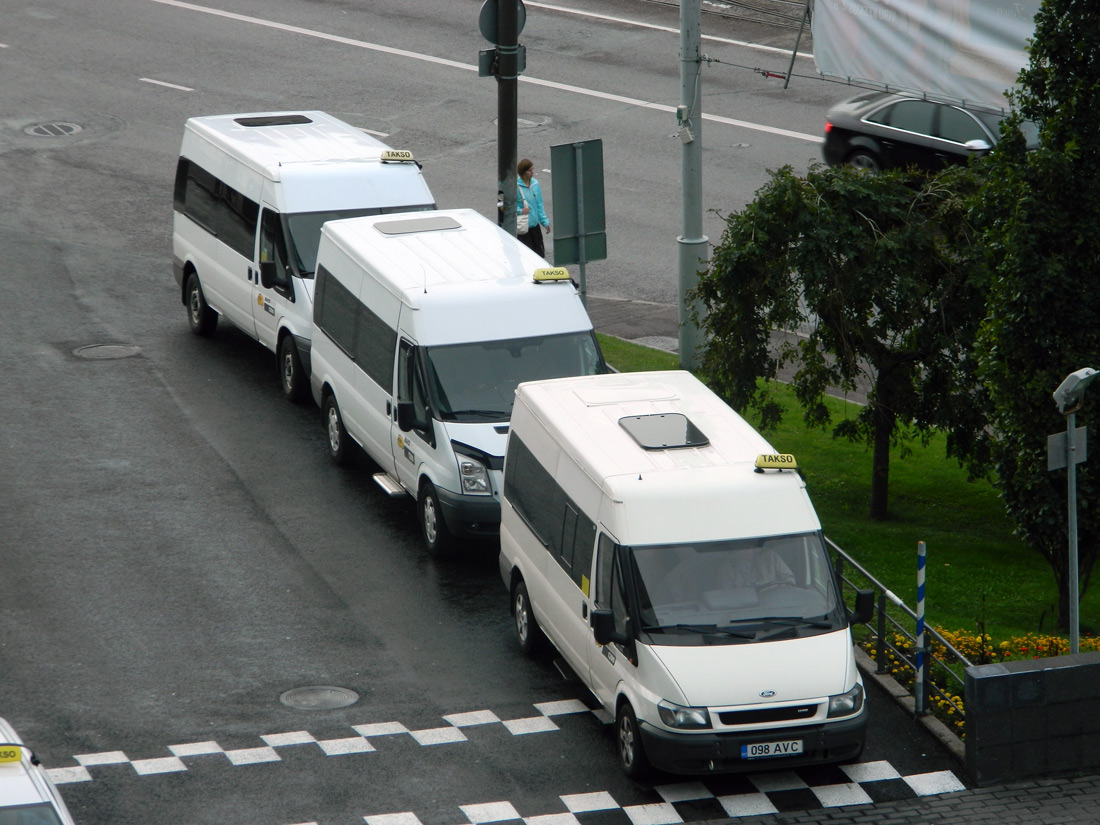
1032 718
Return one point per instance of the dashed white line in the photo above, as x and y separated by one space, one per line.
164 83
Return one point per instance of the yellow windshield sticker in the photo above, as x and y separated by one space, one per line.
584 586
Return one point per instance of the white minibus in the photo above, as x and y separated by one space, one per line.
676 563
252 192
425 323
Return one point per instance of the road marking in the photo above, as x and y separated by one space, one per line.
454 64
163 83
626 22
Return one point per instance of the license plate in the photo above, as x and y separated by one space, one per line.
761 750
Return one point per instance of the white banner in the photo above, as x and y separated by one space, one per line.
969 50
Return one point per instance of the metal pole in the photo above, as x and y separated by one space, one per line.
507 108
797 41
1074 593
581 228
920 691
692 241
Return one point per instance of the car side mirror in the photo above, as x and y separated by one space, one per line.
603 628
865 607
267 274
978 145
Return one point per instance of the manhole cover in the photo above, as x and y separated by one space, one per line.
103 352
56 129
319 697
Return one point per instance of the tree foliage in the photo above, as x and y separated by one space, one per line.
881 274
1041 219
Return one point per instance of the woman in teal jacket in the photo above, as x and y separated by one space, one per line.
529 201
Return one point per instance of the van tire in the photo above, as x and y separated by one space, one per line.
292 377
339 442
527 627
437 538
201 317
628 738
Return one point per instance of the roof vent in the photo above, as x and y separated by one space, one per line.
412 225
273 120
663 431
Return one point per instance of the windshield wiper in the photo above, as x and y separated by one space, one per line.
699 628
482 413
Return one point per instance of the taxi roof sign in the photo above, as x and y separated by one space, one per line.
397 156
550 274
775 461
10 753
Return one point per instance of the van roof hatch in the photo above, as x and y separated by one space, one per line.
411 225
663 431
273 120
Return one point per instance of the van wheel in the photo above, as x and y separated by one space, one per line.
292 377
339 442
527 626
432 526
632 758
201 317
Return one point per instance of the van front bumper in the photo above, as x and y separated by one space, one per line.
470 516
702 753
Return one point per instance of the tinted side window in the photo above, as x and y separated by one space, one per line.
960 126
218 208
376 344
335 310
237 220
910 115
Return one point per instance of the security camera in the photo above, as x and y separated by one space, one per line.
1069 392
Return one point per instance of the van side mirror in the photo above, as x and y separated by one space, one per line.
603 628
267 274
406 417
865 607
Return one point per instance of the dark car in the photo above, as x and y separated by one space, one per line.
882 130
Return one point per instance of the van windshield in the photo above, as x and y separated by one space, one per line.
737 591
304 229
477 381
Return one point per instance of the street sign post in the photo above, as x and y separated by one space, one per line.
580 226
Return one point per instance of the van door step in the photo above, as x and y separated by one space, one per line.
390 484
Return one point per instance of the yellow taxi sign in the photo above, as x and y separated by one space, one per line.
776 461
398 156
551 273
10 753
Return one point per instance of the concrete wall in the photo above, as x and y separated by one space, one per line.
1032 718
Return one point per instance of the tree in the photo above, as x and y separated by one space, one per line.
883 270
1041 227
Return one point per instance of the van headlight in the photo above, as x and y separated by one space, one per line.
683 718
474 476
846 704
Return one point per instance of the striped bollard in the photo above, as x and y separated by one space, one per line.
920 692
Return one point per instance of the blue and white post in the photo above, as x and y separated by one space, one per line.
919 692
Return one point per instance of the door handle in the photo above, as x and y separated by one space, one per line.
584 610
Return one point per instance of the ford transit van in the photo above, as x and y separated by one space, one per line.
676 563
425 323
252 192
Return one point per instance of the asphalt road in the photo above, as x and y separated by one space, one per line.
177 551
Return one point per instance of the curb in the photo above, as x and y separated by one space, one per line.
902 697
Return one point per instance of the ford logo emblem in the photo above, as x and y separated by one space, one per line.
767 694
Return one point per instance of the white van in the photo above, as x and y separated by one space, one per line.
676 563
252 192
425 323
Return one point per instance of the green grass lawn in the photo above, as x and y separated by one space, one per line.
977 570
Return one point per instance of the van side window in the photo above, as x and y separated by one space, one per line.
376 345
273 247
563 528
218 208
335 310
410 383
609 585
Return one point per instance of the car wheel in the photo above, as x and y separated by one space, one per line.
339 442
862 159
292 377
437 538
527 626
202 318
632 758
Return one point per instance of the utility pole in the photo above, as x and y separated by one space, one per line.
692 241
507 106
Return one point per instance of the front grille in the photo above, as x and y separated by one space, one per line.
789 713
